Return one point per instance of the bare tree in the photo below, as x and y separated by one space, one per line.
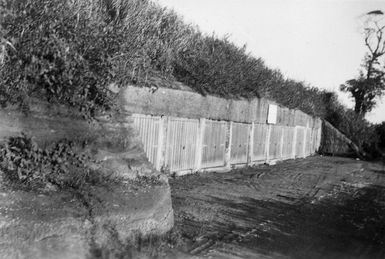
370 84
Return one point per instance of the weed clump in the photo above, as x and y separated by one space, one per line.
61 165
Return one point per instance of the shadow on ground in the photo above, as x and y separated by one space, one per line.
347 226
346 221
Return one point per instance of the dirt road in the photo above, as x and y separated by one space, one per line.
319 207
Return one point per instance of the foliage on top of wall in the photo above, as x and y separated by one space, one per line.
70 51
56 51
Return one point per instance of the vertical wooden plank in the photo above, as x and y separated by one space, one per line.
299 145
281 144
148 129
162 143
182 144
275 143
267 146
168 145
228 144
304 142
250 156
239 143
259 149
214 142
199 144
319 136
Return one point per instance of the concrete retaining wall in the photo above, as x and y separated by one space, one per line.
335 143
179 130
186 104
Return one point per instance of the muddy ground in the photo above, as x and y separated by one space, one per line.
319 207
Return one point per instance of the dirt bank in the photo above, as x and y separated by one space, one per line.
88 220
92 224
320 207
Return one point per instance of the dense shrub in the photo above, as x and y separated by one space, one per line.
380 130
216 66
69 51
61 165
58 52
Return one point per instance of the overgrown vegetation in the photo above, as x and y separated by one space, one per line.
55 50
380 130
61 165
70 51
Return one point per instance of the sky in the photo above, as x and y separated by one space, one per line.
316 41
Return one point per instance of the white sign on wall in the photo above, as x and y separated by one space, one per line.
272 114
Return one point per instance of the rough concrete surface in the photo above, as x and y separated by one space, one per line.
64 225
186 104
319 207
